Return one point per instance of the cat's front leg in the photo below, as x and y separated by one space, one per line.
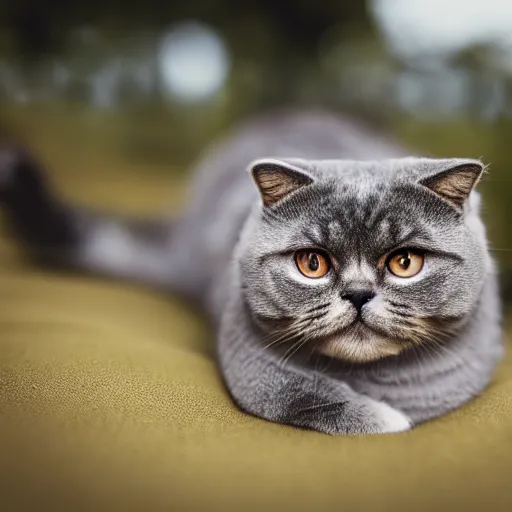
352 414
263 387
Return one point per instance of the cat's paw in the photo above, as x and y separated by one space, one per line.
390 420
357 415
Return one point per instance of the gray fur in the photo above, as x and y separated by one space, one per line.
433 341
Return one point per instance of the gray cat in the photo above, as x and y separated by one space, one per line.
350 285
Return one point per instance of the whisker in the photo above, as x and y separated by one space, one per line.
320 358
292 330
273 334
317 317
279 341
399 304
311 353
399 313
283 336
290 351
297 346
316 308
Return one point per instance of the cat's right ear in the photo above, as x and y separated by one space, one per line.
277 179
454 183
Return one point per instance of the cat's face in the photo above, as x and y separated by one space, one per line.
365 260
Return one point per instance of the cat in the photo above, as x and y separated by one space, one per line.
350 284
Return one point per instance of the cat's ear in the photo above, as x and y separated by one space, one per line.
277 179
454 183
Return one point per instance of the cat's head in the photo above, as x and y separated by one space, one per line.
364 259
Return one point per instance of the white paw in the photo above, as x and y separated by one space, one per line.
391 420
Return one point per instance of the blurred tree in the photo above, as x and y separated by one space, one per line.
40 26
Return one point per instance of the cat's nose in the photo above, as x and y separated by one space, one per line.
359 298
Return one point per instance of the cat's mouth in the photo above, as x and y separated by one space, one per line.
359 342
359 327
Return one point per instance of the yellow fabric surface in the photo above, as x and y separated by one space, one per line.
110 400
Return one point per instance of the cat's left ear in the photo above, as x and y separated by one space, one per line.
454 183
277 179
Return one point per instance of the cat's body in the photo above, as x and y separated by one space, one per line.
405 350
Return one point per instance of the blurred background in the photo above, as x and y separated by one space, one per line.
108 93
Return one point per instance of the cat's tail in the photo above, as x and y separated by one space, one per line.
57 233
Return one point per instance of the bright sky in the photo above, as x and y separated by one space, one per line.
443 26
193 61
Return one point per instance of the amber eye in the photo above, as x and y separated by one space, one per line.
312 264
405 263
